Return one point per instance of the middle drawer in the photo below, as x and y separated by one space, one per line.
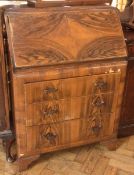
70 87
67 109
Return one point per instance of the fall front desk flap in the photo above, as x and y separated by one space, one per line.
50 36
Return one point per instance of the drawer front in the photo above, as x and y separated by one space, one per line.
103 83
102 102
48 90
69 132
71 87
68 109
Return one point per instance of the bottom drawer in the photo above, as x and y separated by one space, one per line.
69 132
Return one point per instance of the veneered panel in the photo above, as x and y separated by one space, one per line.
64 35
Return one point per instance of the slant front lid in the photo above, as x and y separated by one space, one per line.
50 36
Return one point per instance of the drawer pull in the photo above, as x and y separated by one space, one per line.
96 125
101 85
50 137
98 102
96 129
51 111
49 90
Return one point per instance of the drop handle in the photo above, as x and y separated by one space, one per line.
50 137
100 84
99 102
49 90
96 129
51 112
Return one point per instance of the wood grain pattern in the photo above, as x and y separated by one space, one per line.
4 96
20 100
54 111
62 134
64 36
70 87
32 133
59 105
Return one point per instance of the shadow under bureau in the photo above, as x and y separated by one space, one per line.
67 69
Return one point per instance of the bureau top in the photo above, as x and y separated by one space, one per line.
61 35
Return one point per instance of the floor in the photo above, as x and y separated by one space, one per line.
87 160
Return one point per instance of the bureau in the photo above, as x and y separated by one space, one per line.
67 68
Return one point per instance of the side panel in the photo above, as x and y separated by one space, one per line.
4 106
126 126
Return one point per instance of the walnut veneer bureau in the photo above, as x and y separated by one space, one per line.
66 70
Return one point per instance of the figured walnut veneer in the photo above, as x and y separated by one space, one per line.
67 67
64 35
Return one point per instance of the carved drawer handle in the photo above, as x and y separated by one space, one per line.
49 112
96 129
99 102
100 84
50 137
49 90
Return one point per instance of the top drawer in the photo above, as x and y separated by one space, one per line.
71 87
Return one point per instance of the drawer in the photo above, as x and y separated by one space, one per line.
40 91
68 109
69 132
57 110
103 83
56 89
103 103
71 87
